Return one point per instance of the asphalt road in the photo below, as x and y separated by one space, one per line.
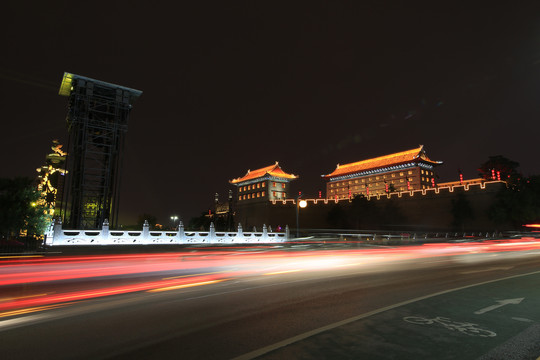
406 303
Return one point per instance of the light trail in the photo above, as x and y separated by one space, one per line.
20 276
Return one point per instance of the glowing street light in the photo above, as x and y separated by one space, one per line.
299 204
173 219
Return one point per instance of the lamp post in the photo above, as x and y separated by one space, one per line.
173 219
299 204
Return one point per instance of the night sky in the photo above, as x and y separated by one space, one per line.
231 86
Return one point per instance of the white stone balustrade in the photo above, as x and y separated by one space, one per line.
56 236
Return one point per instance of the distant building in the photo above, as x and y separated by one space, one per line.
267 183
403 171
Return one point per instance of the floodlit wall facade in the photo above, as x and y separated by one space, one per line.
429 209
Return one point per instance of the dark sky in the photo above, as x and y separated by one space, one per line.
230 86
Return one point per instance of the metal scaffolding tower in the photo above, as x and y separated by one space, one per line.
97 123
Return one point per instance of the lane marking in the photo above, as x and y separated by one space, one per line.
522 319
500 303
484 270
291 340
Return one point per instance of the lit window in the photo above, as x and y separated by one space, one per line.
274 193
249 187
377 178
363 180
240 198
410 172
274 184
244 197
258 185
422 171
284 195
283 186
263 184
401 180
356 181
401 173
331 185
393 175
423 178
263 193
258 194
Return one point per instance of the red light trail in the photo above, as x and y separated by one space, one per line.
25 274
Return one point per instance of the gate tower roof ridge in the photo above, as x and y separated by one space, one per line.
415 154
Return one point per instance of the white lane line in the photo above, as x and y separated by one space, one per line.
267 349
488 269
13 323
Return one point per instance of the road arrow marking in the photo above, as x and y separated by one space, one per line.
500 303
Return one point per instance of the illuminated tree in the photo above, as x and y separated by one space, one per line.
20 209
51 178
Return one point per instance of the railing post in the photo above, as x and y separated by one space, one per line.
180 234
265 232
212 233
105 230
145 230
287 233
58 234
49 235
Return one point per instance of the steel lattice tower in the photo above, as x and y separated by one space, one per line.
97 123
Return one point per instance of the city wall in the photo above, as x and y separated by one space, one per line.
428 210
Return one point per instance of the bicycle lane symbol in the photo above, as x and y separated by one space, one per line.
466 328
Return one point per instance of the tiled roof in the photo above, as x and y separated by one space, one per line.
272 170
383 161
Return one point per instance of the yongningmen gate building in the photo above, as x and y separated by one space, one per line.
403 171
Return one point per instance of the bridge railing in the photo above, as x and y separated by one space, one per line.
56 236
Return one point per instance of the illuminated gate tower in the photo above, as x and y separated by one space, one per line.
403 171
268 183
97 123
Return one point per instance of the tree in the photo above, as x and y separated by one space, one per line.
363 213
461 211
517 205
152 220
200 223
20 209
501 167
336 217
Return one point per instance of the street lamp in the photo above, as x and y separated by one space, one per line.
299 204
174 218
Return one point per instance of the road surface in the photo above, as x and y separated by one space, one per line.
441 301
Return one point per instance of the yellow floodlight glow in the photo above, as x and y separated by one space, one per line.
65 87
